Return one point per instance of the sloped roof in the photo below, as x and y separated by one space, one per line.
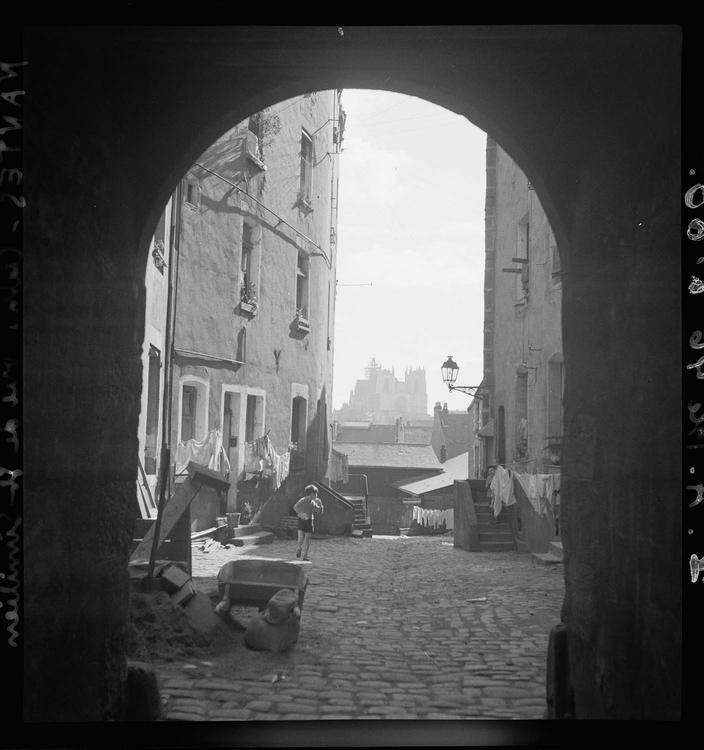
418 435
377 433
362 432
389 455
457 428
456 468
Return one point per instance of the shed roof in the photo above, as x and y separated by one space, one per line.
456 468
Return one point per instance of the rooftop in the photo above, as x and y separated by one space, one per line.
456 468
389 455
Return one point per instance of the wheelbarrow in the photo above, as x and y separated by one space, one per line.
251 583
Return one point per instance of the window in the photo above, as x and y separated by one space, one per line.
192 192
556 265
249 267
153 379
246 255
193 419
159 250
521 411
523 256
254 418
305 192
302 273
298 422
189 405
241 355
250 418
501 435
556 379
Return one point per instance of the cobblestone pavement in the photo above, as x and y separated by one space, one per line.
389 630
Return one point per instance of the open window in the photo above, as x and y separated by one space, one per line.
521 412
159 244
302 291
193 409
250 252
305 192
254 417
501 436
556 264
523 259
556 381
192 192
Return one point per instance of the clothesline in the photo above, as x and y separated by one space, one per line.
260 458
542 490
207 452
432 517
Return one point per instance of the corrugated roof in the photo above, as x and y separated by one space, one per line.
392 455
456 468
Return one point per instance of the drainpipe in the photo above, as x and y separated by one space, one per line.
165 455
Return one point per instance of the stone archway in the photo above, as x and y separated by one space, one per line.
113 119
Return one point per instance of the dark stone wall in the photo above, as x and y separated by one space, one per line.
591 115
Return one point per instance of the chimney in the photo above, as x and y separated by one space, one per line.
333 430
438 406
444 408
443 454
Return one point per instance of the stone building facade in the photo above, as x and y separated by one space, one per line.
252 234
382 398
521 424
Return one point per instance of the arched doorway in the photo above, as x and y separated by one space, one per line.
566 103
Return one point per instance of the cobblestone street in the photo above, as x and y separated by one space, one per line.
388 630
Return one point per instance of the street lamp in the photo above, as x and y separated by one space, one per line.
449 370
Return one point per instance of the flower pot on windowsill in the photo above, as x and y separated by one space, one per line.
302 324
304 205
250 308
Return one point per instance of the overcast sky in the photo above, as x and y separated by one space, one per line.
411 222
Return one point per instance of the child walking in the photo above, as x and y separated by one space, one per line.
304 509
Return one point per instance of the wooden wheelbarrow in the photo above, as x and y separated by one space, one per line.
252 582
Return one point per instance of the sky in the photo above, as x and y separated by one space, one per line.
411 224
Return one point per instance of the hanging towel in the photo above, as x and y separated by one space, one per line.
502 490
207 452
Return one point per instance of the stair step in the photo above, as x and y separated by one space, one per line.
496 546
247 529
261 537
545 558
495 536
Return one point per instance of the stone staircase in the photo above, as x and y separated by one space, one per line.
251 533
361 526
553 556
494 534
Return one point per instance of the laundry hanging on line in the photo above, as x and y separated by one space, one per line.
207 452
433 518
502 490
261 459
540 489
